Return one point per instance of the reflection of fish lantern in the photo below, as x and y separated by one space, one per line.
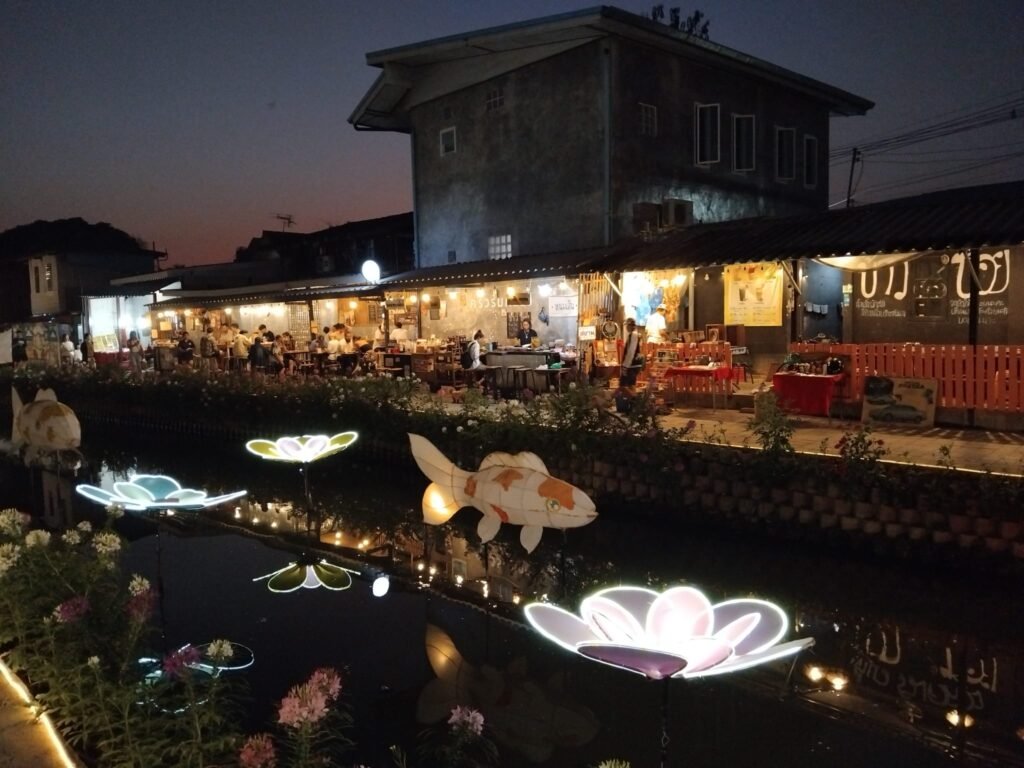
45 424
508 488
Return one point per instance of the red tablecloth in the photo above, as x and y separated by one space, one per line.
806 393
718 373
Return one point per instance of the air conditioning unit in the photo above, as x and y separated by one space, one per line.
676 213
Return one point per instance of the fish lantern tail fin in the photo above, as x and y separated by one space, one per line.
442 499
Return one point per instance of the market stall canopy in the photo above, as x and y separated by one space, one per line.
954 219
327 288
491 270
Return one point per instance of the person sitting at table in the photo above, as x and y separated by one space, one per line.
258 355
265 333
474 350
186 350
276 361
630 365
288 341
526 334
240 351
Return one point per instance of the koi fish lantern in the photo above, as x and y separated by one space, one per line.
44 424
507 488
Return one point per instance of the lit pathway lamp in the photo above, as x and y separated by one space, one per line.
302 450
678 633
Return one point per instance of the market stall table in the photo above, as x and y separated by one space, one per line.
716 374
806 393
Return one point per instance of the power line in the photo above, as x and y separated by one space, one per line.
943 174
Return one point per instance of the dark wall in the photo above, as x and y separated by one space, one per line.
648 169
926 300
820 303
531 168
15 304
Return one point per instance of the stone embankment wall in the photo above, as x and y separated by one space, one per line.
910 512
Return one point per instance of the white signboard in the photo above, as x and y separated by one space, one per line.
563 306
588 333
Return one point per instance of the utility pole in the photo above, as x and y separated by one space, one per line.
854 157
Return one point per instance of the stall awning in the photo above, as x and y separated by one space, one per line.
493 270
255 295
955 219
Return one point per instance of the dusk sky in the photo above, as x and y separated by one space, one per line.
191 124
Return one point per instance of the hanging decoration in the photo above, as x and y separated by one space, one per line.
677 633
146 492
508 488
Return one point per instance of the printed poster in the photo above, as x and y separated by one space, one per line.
889 400
753 294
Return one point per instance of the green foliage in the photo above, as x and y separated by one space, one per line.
860 455
771 425
76 629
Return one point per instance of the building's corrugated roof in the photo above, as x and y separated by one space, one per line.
973 217
515 268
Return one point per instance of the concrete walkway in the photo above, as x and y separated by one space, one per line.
24 739
980 450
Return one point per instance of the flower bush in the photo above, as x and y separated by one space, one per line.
459 743
860 455
76 628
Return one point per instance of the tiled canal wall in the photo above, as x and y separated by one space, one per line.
950 513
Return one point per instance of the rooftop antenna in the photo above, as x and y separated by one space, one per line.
286 219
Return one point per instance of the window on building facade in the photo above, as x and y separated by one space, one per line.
743 143
648 120
447 141
705 134
35 274
785 153
495 100
810 161
48 277
452 257
499 246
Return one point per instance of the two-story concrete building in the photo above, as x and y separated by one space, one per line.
577 130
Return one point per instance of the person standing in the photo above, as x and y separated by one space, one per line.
88 350
474 349
208 351
67 351
526 334
135 353
656 326
632 361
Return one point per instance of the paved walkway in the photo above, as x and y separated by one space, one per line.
24 740
967 448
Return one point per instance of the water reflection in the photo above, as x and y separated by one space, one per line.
913 645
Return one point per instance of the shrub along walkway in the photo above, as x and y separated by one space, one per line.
973 449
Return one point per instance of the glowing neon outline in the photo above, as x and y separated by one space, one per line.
311 581
762 653
304 455
200 499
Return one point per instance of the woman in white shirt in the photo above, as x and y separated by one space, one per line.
474 349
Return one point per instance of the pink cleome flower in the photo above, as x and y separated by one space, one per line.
306 704
71 610
140 607
178 663
258 752
468 719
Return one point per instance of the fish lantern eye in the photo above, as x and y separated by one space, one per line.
553 505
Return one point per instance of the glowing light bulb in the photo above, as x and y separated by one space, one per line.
678 279
413 299
381 585
353 304
453 295
510 291
838 681
479 293
420 566
458 580
815 674
544 290
228 310
426 297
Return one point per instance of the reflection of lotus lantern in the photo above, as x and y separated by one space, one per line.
301 450
145 492
677 633
311 575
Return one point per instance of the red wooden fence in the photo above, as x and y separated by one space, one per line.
988 378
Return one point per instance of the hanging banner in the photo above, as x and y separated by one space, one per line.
563 306
753 294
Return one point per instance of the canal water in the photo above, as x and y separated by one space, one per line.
899 646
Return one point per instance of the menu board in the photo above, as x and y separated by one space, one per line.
753 294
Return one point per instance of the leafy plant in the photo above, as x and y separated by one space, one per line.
860 455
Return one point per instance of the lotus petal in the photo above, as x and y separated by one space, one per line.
560 626
737 663
636 600
290 449
288 579
702 653
679 613
265 448
160 486
132 492
213 501
332 576
649 663
737 631
769 630
611 622
99 495
343 440
188 496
